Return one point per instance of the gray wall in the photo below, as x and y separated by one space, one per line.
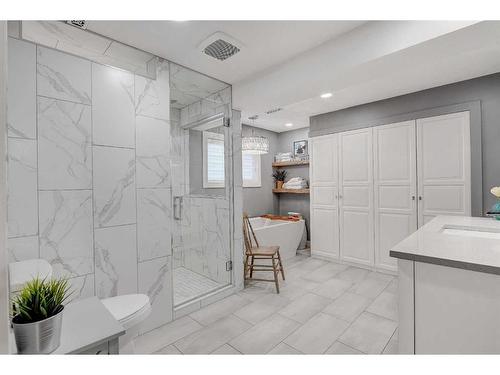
480 95
261 200
291 202
258 201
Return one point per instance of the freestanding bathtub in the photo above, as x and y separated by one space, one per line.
286 234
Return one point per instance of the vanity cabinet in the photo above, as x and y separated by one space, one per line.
373 187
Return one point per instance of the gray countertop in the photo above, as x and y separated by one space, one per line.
86 323
471 243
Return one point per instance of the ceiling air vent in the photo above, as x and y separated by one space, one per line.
274 110
79 24
220 46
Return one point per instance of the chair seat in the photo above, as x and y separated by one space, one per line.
264 250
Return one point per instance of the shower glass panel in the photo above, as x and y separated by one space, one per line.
201 178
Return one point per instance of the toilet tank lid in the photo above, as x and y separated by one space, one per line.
22 272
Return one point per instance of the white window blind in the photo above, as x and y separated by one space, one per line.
251 170
213 160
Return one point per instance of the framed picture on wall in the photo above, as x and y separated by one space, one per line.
300 148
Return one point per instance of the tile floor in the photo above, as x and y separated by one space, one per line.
323 308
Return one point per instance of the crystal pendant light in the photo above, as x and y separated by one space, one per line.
255 144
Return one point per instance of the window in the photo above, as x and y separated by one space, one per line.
213 160
251 170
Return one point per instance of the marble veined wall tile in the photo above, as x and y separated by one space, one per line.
66 231
63 76
21 99
154 216
113 112
153 152
155 280
152 97
115 261
64 145
22 248
81 287
22 188
114 186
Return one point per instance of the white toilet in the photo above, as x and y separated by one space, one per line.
130 310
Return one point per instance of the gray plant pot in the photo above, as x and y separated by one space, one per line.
41 337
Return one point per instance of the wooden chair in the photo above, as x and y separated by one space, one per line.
255 252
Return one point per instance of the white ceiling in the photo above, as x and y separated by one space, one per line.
264 43
289 64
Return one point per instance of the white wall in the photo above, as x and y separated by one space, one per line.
4 338
89 174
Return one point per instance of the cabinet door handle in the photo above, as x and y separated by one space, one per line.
420 198
412 197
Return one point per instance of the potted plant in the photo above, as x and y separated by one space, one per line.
37 315
279 176
495 210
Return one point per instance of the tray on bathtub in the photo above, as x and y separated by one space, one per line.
281 217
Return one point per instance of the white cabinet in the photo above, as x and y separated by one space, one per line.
373 187
324 196
443 157
356 196
395 180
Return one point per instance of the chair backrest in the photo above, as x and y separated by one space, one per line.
249 234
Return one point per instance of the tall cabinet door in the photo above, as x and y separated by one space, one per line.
324 196
443 152
395 187
356 196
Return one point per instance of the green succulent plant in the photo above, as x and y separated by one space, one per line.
279 175
39 299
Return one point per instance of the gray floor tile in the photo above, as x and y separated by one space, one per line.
353 274
170 349
283 348
369 333
311 264
225 349
386 305
392 287
264 336
261 308
165 335
333 288
317 335
339 348
304 308
254 290
348 306
325 273
295 288
213 336
371 286
219 309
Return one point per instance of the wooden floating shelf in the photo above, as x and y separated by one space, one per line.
279 164
291 191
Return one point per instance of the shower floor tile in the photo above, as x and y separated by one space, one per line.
189 285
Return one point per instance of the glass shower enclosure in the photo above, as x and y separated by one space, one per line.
200 109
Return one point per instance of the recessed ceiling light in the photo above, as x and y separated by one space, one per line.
326 95
288 124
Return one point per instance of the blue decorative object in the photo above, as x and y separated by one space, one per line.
496 210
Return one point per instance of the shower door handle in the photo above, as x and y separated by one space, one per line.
178 208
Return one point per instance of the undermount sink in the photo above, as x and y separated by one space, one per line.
472 232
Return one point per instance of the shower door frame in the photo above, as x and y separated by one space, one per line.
233 190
